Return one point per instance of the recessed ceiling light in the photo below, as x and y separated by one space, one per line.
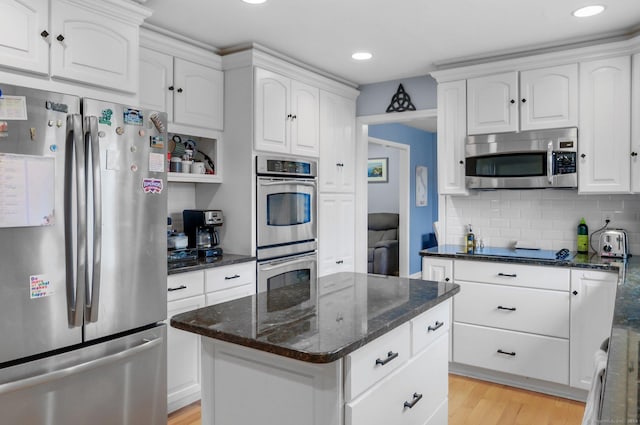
585 12
362 56
254 1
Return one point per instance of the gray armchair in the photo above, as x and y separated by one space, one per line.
383 244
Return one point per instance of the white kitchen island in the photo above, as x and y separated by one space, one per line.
361 349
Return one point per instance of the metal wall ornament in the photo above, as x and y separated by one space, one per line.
401 101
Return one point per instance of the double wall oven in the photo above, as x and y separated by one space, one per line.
286 226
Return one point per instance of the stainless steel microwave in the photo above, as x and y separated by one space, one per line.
524 160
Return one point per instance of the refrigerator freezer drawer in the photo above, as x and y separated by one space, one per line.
122 380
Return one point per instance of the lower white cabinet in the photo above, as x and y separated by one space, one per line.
441 270
336 234
189 291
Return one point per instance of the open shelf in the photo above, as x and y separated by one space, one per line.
206 146
193 178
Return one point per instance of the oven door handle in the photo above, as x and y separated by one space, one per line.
550 162
295 182
272 265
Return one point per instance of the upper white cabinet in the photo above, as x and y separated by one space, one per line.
92 42
337 143
452 130
605 126
529 100
635 124
286 115
190 93
24 34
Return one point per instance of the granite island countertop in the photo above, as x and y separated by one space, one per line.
621 396
284 322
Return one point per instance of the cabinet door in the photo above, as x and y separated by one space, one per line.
337 143
305 106
452 129
197 98
635 125
592 301
271 110
156 78
437 269
93 48
549 97
492 103
336 235
605 126
183 357
22 45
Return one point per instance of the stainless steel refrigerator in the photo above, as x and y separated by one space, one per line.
83 203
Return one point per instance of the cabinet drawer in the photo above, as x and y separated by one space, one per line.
185 285
513 274
429 326
231 276
230 294
520 309
372 362
425 375
535 356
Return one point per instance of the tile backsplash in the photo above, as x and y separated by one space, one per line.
547 219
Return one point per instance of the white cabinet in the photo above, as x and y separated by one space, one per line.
592 303
452 130
337 143
286 115
92 42
190 93
605 126
336 245
635 124
438 269
24 35
529 100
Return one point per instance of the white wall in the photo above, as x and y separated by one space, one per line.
548 218
385 197
182 196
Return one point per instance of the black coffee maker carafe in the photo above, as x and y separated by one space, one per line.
201 228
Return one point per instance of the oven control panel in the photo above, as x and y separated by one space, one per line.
285 167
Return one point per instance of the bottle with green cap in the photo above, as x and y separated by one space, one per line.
583 237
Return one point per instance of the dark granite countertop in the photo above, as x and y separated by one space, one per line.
621 397
206 263
361 308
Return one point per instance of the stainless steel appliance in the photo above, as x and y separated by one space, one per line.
201 229
524 160
614 243
82 297
286 206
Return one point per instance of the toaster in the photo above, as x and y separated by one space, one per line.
614 243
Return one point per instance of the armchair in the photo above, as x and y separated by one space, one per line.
382 255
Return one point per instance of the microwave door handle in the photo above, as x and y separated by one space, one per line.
93 153
281 182
550 162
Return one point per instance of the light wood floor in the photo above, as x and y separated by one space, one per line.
473 402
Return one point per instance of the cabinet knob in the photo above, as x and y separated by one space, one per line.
340 164
446 279
171 88
575 292
524 100
60 37
294 117
508 353
583 156
340 262
634 153
390 356
289 116
512 101
180 90
416 398
461 162
44 34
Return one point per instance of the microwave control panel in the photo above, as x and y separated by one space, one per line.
564 162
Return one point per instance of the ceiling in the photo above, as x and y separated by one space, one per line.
407 37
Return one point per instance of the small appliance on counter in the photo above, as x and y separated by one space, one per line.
200 226
614 243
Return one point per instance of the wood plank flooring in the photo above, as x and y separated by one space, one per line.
474 402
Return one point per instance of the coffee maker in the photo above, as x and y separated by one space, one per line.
201 228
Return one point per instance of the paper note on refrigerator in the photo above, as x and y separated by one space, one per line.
13 108
27 184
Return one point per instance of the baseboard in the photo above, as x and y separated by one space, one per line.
174 403
417 275
525 383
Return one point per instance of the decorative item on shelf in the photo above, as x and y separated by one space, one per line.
400 101
377 170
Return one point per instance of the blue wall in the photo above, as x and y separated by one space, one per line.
375 98
423 152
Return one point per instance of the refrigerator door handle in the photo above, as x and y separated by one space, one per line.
76 369
75 205
93 166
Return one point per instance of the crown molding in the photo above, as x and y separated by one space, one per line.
164 41
121 10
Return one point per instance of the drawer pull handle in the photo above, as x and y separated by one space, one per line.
507 275
506 308
390 356
416 398
437 326
235 276
508 353
176 289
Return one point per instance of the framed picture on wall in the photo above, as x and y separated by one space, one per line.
377 170
422 193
